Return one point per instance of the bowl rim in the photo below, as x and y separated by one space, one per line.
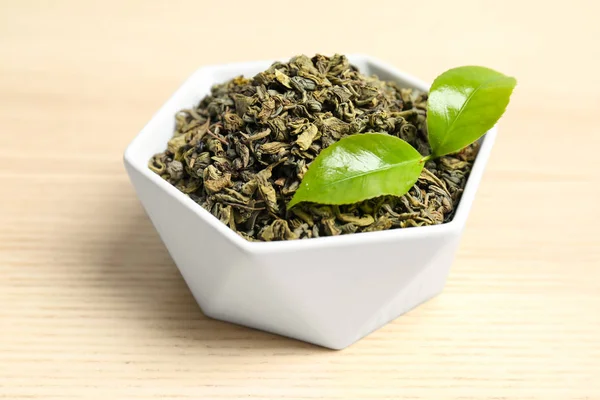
454 226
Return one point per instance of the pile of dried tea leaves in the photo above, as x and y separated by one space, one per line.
242 152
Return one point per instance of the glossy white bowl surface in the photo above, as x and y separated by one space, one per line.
329 291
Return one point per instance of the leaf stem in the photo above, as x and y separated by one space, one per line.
426 158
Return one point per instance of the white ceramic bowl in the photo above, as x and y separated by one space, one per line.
329 291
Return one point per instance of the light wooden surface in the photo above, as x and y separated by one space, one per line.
91 305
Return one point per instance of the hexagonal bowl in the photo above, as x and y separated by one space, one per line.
329 291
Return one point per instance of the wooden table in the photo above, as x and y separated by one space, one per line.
91 305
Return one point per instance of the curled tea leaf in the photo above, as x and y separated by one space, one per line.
266 190
215 180
282 78
306 138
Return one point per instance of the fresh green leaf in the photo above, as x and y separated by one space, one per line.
360 167
464 103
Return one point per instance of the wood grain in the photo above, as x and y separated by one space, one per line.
91 305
